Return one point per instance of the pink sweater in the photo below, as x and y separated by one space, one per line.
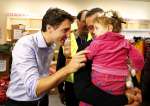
110 52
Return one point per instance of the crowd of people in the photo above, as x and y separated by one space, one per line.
98 68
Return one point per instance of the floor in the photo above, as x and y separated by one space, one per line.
54 99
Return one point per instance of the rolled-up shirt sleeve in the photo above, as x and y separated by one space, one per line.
27 69
31 85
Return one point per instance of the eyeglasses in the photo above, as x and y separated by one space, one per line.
90 27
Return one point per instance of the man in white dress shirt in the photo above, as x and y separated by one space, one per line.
29 78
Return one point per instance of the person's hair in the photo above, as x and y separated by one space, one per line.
116 21
94 11
103 20
111 18
80 14
54 17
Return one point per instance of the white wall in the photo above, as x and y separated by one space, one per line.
128 9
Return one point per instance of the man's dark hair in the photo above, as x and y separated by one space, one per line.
80 14
54 17
93 11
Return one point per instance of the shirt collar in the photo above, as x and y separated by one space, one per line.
41 41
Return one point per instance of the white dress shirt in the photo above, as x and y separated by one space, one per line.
31 58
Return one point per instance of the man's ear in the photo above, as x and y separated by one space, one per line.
110 28
49 28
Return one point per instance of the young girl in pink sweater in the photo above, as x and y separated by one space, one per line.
110 52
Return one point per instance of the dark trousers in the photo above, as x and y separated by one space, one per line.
42 102
70 96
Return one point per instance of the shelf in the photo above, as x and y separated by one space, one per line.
136 30
32 29
130 33
31 23
23 17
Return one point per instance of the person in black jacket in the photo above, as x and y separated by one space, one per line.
145 79
65 88
85 90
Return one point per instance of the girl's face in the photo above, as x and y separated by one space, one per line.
99 29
